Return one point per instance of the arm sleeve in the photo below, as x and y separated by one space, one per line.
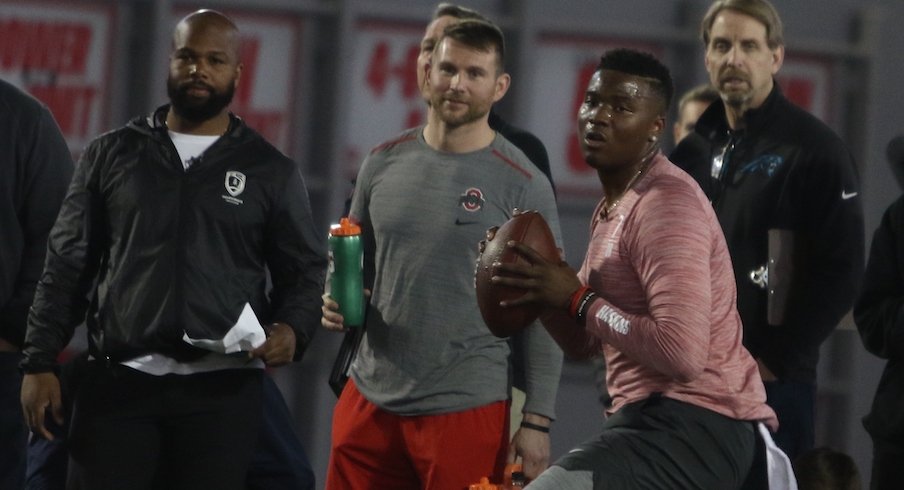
694 155
75 247
879 310
359 213
47 167
296 259
669 241
541 358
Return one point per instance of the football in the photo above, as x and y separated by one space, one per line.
531 229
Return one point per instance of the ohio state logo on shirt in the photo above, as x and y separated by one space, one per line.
472 199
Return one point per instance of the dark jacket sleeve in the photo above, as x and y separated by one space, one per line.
693 155
879 310
296 258
45 168
73 254
527 142
534 150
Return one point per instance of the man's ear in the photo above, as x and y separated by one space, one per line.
238 74
658 126
778 57
502 85
428 67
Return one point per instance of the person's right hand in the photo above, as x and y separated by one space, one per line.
332 320
39 391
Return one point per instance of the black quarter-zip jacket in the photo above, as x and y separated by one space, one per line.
787 174
146 252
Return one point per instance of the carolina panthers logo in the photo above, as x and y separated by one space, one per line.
766 164
472 199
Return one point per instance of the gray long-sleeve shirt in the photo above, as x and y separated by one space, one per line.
423 213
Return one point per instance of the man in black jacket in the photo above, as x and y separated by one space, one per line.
35 169
177 218
879 315
786 192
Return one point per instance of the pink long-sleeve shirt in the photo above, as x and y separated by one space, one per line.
666 316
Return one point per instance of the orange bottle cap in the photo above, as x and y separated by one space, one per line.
484 484
345 228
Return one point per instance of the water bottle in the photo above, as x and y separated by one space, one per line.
346 271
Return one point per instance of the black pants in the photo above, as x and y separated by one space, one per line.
136 431
663 443
794 403
13 433
280 461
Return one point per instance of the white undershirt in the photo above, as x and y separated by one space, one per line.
190 147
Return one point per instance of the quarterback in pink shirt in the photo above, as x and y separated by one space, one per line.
655 296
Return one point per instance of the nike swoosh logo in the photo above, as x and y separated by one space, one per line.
847 195
460 222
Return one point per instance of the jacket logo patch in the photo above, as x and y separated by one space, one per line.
472 199
235 183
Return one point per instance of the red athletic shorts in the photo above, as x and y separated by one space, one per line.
375 449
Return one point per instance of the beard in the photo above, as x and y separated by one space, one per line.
194 109
457 118
735 97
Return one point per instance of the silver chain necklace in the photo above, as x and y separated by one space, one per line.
608 207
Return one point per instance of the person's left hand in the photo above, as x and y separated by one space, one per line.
279 348
532 446
549 284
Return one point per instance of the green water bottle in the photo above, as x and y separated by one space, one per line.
347 271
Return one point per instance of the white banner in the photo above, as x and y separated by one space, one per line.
385 98
807 83
60 52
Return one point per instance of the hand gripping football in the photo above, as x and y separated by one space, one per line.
531 229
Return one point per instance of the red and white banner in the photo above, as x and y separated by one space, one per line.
60 52
384 97
558 87
807 82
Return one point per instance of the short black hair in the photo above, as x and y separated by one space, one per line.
644 65
481 35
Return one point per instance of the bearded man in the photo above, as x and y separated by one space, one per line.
162 247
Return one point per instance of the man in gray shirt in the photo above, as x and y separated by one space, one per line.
427 405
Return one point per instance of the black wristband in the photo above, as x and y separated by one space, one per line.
583 305
538 428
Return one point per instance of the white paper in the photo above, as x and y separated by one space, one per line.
158 364
778 466
246 335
